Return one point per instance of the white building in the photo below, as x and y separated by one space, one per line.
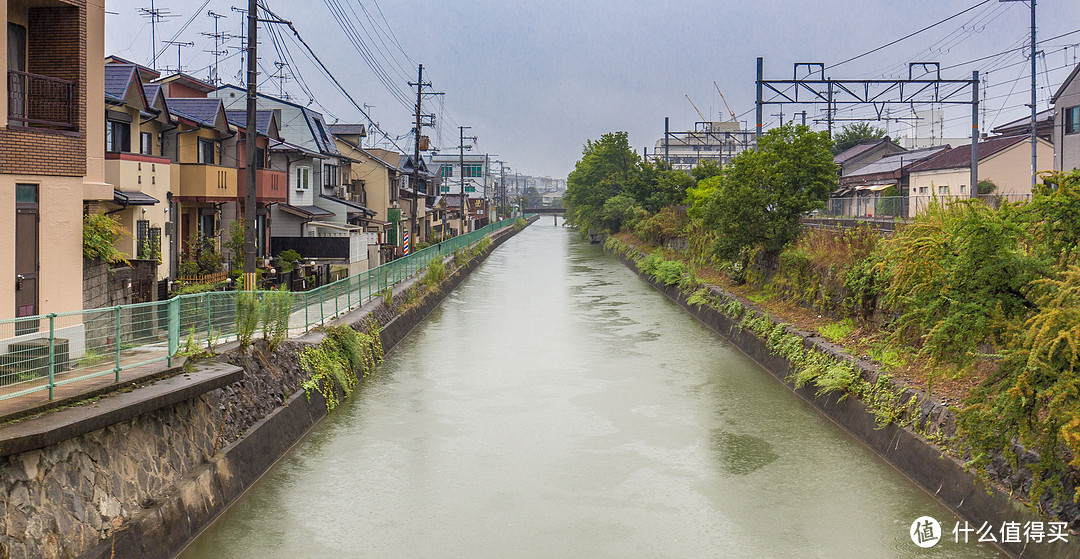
709 141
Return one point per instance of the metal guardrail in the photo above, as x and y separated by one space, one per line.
902 207
45 351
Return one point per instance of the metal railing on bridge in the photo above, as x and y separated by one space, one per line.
42 352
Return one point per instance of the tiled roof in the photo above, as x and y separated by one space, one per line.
347 129
960 157
151 91
118 78
203 111
858 149
262 119
896 161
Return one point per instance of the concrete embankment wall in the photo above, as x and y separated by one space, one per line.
941 475
139 474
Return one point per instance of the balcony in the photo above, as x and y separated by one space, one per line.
136 172
270 186
206 183
41 101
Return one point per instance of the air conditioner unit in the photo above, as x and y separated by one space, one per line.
339 191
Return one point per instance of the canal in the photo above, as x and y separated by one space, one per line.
557 406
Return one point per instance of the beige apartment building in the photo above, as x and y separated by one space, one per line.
51 151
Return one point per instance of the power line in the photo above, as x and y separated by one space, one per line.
330 75
909 35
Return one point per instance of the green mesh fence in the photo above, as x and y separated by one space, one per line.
41 352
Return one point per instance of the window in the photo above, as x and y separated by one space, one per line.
260 158
207 151
924 190
303 178
943 189
146 143
446 171
330 176
117 136
473 170
963 189
1072 120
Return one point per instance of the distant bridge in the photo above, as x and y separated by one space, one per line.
553 211
546 210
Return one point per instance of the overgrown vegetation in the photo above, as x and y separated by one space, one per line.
340 360
100 233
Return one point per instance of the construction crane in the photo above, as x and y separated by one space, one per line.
703 119
730 112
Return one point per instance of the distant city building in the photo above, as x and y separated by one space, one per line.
708 141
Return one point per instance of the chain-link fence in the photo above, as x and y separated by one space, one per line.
44 351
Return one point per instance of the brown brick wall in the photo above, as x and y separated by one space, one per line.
56 44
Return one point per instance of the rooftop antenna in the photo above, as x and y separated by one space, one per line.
178 45
155 15
282 76
218 39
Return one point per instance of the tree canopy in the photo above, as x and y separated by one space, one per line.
852 134
764 192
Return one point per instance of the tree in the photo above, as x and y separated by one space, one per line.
852 134
657 186
766 190
531 198
605 168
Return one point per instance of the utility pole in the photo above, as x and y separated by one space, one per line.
250 143
461 161
414 226
1034 139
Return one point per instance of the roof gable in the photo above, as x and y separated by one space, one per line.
208 112
1065 84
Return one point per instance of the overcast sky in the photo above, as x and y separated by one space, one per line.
535 80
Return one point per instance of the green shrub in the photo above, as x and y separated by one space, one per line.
436 272
277 308
100 233
838 330
248 314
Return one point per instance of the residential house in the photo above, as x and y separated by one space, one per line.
135 116
878 189
1003 160
204 175
865 153
1044 126
317 202
52 166
1066 103
271 184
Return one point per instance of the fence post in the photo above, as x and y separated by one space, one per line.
174 327
117 342
306 321
208 326
348 291
337 299
52 353
322 311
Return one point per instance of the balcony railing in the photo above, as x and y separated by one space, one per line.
206 183
41 101
270 185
